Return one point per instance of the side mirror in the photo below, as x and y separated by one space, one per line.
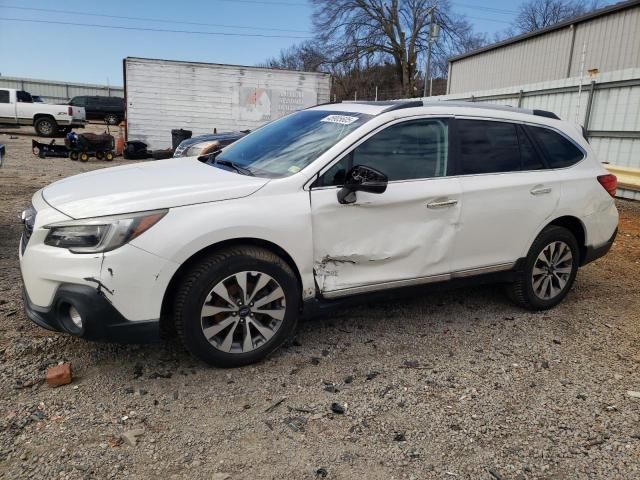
362 179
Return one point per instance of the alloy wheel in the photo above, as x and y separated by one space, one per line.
46 127
552 270
243 312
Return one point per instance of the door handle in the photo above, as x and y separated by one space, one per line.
442 204
540 190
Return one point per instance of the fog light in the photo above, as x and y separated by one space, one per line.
75 316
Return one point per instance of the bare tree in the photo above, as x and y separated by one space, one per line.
374 30
306 57
537 14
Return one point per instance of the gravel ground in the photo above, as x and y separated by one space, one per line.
460 384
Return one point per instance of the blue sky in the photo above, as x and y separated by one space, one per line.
58 51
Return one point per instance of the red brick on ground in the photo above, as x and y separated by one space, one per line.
59 375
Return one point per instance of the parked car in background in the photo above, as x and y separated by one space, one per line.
18 108
325 203
108 109
208 143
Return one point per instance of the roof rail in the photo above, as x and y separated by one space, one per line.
322 104
544 113
401 105
489 106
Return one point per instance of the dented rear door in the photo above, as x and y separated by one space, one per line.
404 234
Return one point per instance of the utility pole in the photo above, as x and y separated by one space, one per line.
434 31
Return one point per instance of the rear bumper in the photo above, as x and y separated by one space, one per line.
593 253
101 320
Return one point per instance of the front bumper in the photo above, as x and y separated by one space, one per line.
100 319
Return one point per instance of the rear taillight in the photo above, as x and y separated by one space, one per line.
70 111
609 183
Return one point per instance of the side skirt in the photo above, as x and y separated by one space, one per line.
322 305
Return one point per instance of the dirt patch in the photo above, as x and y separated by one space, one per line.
459 384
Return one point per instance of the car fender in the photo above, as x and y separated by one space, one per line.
283 220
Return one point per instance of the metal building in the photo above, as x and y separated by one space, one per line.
586 70
606 40
52 91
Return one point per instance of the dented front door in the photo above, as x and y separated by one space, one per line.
403 234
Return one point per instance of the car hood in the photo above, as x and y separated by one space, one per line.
147 186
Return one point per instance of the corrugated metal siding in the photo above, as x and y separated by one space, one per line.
535 60
628 194
615 108
564 105
165 95
612 41
612 44
623 152
59 92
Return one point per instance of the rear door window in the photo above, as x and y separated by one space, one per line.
530 158
23 97
4 96
488 147
559 151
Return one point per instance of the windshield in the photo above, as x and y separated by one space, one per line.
288 145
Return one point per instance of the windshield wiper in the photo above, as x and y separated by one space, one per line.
211 159
235 166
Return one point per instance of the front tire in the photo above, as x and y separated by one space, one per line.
236 306
550 269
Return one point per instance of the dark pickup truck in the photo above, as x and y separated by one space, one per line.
109 109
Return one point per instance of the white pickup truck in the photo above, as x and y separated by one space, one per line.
18 108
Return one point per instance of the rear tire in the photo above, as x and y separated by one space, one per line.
550 269
108 156
111 119
46 127
258 315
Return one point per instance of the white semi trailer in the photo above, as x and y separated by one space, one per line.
162 95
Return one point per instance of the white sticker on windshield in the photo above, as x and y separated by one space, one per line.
341 119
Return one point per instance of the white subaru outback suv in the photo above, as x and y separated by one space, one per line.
333 201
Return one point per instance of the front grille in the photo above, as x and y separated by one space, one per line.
28 220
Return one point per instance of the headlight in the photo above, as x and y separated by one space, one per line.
101 234
202 148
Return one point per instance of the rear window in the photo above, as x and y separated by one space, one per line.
78 101
560 151
4 96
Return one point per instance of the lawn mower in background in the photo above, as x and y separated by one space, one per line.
86 145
